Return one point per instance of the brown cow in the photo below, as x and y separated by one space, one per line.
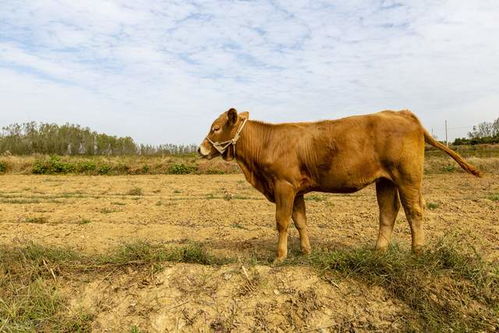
285 161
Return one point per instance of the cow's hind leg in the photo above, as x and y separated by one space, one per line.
389 205
300 219
284 199
412 201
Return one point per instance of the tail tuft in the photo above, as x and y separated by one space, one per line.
465 165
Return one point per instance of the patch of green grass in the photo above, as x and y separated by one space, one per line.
38 219
494 197
135 329
315 197
144 252
239 226
135 191
117 203
35 253
107 211
448 287
80 322
432 205
30 300
243 197
215 172
181 169
30 309
84 221
20 201
449 168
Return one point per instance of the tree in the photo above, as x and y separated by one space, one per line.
485 132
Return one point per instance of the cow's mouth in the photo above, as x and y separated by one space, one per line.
206 157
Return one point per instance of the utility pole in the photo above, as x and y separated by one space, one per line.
446 142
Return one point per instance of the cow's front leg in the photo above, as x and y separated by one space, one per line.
284 198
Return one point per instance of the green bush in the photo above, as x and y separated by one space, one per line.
122 169
181 169
87 167
104 169
53 165
3 166
39 167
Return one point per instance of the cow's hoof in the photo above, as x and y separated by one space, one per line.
381 249
278 261
306 250
417 249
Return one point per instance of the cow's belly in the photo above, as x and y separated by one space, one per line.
343 187
348 180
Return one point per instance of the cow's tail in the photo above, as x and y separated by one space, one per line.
465 165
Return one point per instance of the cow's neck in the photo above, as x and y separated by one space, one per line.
251 149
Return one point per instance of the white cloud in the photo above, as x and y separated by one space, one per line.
161 71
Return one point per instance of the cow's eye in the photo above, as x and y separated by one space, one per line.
216 129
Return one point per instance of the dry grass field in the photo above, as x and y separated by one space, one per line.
182 253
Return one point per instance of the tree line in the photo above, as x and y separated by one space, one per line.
69 139
483 133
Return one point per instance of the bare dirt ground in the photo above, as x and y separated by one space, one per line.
94 214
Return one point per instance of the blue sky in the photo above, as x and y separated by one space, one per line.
161 71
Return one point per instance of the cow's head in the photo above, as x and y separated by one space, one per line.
222 131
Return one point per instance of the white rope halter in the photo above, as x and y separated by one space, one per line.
221 147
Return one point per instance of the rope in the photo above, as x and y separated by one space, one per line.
221 147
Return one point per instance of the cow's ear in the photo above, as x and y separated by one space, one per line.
244 115
232 115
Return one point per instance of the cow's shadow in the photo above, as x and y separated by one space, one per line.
264 250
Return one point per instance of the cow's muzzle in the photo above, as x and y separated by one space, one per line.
203 152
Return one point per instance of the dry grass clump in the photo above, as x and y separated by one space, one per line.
448 287
29 296
146 253
135 191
